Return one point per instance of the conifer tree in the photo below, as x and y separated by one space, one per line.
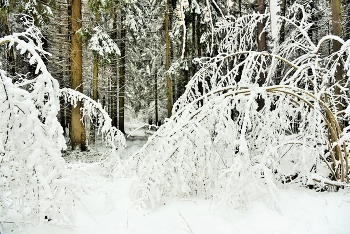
77 131
167 59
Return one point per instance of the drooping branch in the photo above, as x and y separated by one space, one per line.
114 136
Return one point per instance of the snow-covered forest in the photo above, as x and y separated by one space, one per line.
174 116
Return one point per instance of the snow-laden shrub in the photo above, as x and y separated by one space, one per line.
219 143
111 135
35 183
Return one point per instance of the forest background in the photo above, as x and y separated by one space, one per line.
138 56
246 96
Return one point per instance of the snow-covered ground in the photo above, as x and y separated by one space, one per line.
304 211
110 209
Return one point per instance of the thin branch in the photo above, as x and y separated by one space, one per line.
186 222
87 210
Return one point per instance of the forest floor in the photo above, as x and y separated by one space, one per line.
111 210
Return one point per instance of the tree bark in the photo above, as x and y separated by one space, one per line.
114 79
198 36
95 76
337 30
261 47
283 14
156 99
122 72
95 68
10 53
77 131
261 25
167 60
281 38
193 43
313 31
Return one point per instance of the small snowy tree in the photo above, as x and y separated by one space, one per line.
34 181
219 144
33 176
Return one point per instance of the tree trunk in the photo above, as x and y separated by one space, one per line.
198 36
167 60
10 53
313 31
337 30
193 47
186 72
261 25
156 99
261 47
281 38
283 14
77 131
95 76
95 70
122 71
240 7
114 79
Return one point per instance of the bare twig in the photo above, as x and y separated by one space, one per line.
87 210
186 223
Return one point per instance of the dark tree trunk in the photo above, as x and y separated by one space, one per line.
261 47
122 48
337 30
114 79
167 60
10 52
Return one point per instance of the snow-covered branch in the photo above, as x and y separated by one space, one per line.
220 145
36 185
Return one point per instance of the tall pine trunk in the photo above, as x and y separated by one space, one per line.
95 67
10 53
156 99
193 43
122 71
281 38
261 47
198 36
95 76
337 30
114 78
77 131
95 70
167 60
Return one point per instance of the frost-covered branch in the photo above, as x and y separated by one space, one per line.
114 138
36 185
217 144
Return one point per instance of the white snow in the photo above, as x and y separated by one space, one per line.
105 205
110 210
304 211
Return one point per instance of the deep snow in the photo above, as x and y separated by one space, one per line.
304 211
109 209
